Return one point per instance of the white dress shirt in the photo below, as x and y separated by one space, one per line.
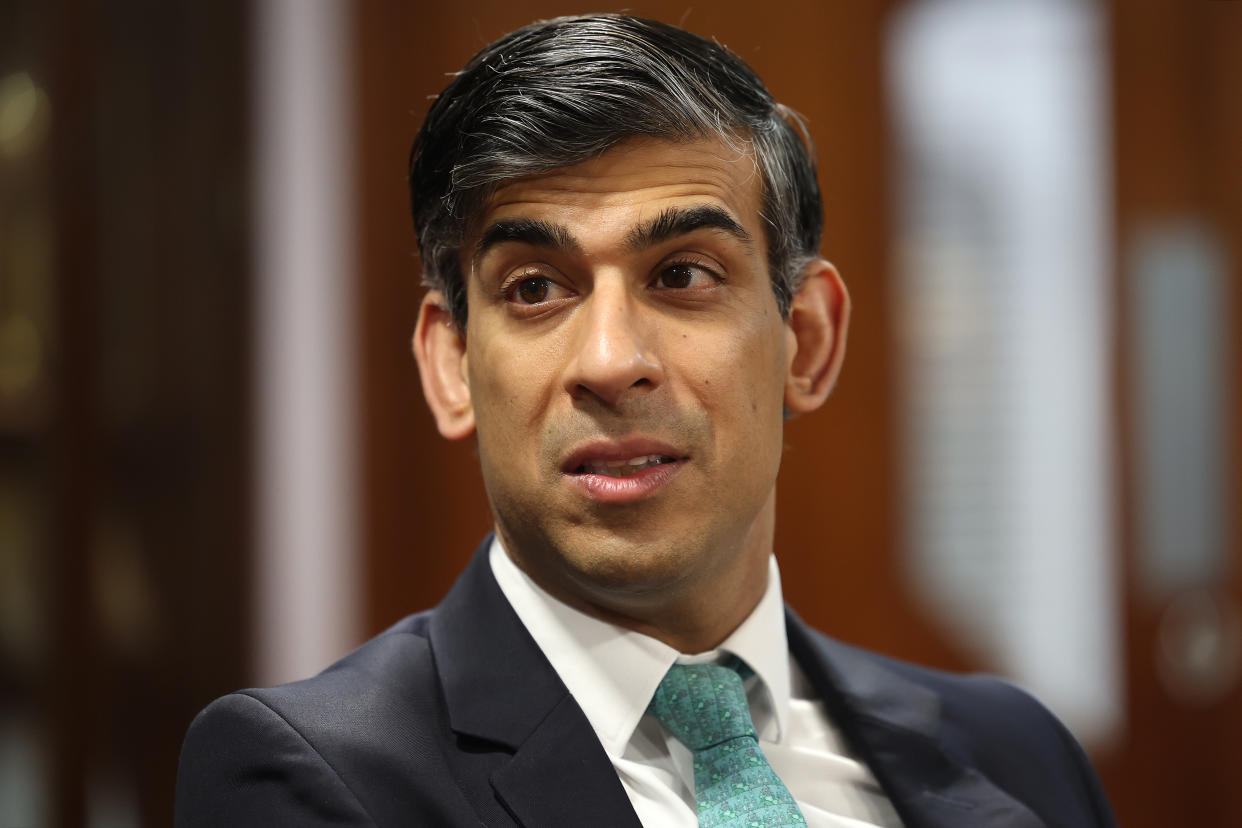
613 672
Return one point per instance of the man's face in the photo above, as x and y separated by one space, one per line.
626 365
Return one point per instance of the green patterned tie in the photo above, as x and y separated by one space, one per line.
704 706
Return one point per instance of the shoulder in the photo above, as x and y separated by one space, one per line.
323 750
971 703
978 714
976 721
989 719
965 705
393 670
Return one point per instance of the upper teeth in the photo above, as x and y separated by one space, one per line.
622 468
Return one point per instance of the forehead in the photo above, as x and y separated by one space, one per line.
634 181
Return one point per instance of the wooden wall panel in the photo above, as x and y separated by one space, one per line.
1177 130
124 453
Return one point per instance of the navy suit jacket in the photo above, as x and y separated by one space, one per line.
453 717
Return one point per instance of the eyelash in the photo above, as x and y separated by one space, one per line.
690 261
510 285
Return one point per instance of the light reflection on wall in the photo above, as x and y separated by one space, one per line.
1002 266
307 601
1183 378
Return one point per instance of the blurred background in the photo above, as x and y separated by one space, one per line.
217 470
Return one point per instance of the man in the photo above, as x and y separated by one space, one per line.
620 230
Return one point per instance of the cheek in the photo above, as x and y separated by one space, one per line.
741 379
510 386
497 402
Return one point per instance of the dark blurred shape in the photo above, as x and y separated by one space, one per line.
124 406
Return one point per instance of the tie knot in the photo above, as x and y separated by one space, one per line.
702 704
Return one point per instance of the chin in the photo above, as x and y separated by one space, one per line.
624 568
650 555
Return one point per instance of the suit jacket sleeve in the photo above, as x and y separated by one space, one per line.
243 764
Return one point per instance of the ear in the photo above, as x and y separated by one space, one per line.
440 350
818 321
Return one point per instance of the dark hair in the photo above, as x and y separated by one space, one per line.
559 92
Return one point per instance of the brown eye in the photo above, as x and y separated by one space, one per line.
533 291
677 276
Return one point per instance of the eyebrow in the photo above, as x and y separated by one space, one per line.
681 221
670 223
534 232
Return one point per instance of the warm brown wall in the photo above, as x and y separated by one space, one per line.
1177 142
124 456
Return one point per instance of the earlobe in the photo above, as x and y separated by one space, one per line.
817 327
440 350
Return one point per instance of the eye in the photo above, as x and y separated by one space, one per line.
534 290
686 275
531 288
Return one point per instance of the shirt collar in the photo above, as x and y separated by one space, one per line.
613 672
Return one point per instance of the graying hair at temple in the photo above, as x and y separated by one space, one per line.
560 92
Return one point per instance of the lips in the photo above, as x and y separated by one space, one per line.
622 471
623 468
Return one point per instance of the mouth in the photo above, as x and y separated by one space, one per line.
624 471
623 468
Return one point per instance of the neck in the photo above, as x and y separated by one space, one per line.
699 624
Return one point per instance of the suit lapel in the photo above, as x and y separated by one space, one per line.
894 724
561 776
499 688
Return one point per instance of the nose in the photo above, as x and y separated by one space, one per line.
615 357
